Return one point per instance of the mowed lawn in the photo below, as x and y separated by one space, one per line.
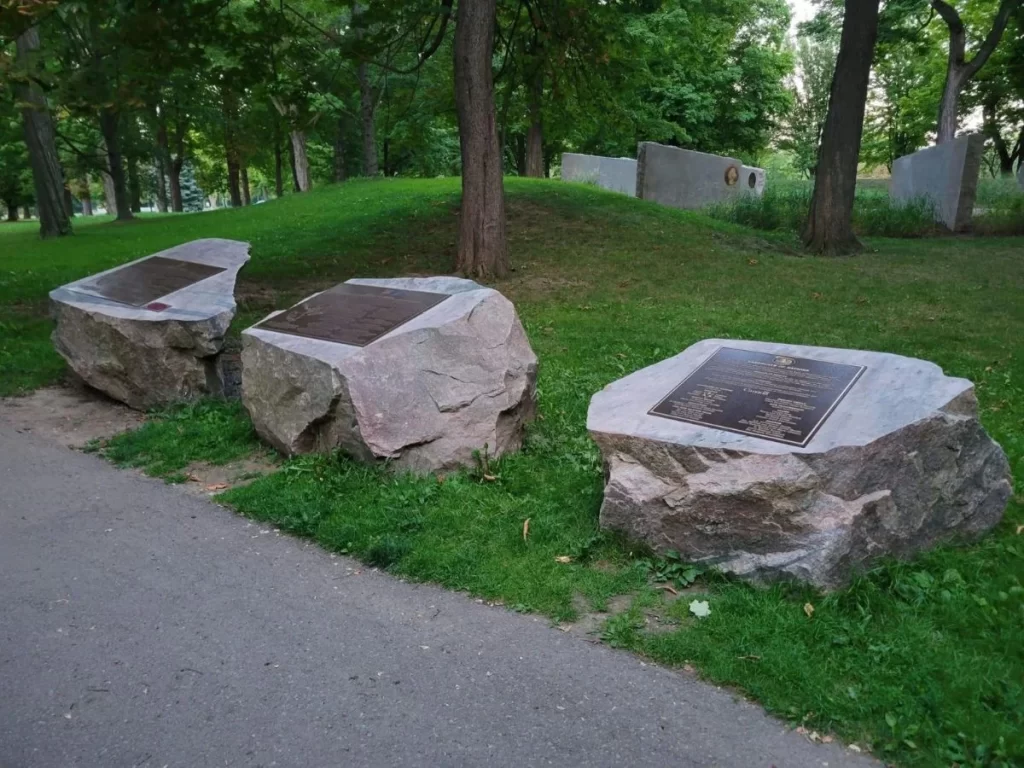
921 662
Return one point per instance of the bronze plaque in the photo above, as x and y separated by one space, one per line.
759 394
146 281
353 314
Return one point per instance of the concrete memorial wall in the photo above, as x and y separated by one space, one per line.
778 461
945 175
752 180
682 178
615 173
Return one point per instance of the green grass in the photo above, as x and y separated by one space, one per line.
921 661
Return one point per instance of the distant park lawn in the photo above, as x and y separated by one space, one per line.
921 662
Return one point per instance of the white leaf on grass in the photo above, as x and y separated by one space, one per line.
700 608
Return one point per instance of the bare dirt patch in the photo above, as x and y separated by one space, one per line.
209 480
71 415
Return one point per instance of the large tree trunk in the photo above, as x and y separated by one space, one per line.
134 186
69 203
339 151
47 177
829 230
12 210
109 127
302 179
367 108
174 182
535 133
85 197
959 71
295 173
233 186
246 192
229 110
483 249
162 156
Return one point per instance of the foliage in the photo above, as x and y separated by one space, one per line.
801 132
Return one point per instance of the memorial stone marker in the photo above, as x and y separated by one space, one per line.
776 461
615 173
945 175
753 180
418 372
682 178
151 332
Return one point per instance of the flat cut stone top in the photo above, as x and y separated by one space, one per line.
892 392
463 294
200 300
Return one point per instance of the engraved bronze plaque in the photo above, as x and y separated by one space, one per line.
759 394
146 281
353 314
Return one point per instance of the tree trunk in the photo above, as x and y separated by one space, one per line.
278 176
85 197
69 203
302 180
162 155
134 186
959 71
339 151
367 108
295 173
109 127
829 230
483 249
174 182
535 133
12 210
246 192
47 177
233 185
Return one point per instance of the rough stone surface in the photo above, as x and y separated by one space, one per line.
752 180
615 173
901 465
459 377
147 358
946 175
682 178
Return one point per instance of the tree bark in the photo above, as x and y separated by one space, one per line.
339 151
110 128
162 155
47 176
233 186
959 71
229 108
535 133
829 229
12 210
69 203
367 108
302 179
291 159
246 192
134 186
85 197
483 248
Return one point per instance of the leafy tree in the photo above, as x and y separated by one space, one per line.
15 170
801 132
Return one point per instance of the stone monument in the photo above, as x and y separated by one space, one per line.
418 372
151 332
945 175
682 178
615 173
776 461
752 180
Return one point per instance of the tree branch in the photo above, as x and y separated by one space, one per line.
1006 7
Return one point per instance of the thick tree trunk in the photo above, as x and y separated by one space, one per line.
109 127
47 177
233 186
174 182
367 108
134 186
161 157
26 212
295 173
483 249
246 192
959 71
535 133
229 109
12 210
829 230
339 151
85 197
302 180
278 175
69 203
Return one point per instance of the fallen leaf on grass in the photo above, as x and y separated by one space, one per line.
855 748
809 610
700 608
490 478
563 559
526 528
749 657
216 487
668 588
752 262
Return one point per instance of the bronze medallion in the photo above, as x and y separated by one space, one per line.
146 281
760 394
732 175
353 314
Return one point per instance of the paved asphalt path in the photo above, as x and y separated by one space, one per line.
143 627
